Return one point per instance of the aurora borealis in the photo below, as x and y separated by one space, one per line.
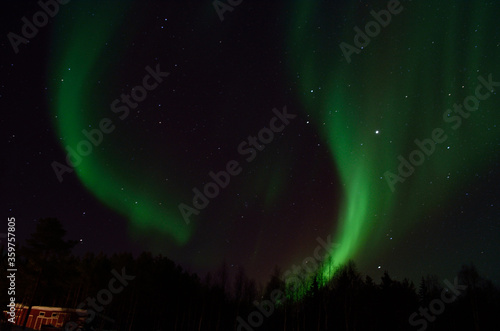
118 191
395 91
325 174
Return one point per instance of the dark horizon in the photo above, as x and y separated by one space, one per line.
67 291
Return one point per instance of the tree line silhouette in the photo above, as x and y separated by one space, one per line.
160 295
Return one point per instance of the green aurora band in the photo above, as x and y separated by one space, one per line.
428 58
77 105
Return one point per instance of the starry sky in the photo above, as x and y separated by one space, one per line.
358 108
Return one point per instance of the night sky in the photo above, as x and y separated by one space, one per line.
357 110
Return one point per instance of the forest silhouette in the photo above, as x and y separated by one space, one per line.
158 294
